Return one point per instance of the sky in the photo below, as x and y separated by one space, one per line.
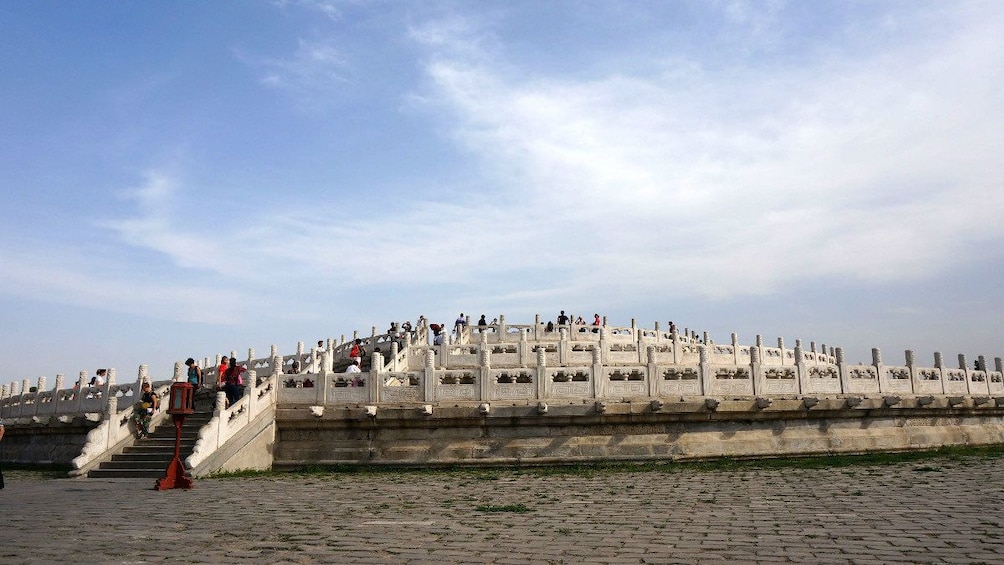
186 179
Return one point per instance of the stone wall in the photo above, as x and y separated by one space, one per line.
623 431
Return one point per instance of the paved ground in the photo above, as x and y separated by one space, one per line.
934 511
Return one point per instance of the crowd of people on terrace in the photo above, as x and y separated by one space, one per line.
401 331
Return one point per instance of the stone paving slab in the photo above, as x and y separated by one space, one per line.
937 511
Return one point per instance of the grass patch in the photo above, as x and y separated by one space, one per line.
469 473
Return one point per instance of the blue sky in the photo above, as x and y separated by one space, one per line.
186 179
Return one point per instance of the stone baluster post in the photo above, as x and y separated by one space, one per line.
322 381
801 371
395 352
57 396
842 370
39 388
276 367
758 345
604 346
142 376
756 371
707 338
536 327
735 348
250 391
674 335
109 383
998 364
179 371
705 371
651 372
982 362
429 378
524 349
375 382
109 416
542 389
564 346
879 369
598 376
911 367
780 345
81 395
963 365
484 374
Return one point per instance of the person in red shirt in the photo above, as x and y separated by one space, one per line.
356 354
221 372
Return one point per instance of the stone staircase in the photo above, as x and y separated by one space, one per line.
148 458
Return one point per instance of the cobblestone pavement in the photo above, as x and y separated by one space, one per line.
932 511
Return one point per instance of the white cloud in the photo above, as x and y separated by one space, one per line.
869 168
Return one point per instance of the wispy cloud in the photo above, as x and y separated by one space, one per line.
855 168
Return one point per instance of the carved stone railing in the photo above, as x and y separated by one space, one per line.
228 421
524 362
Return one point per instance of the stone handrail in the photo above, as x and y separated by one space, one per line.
116 428
37 405
230 420
525 362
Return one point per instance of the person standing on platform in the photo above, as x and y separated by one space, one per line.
232 382
221 372
194 373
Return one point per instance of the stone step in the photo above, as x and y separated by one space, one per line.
149 457
127 473
136 465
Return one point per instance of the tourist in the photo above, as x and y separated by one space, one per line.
579 321
482 324
144 411
406 327
562 319
194 373
221 372
550 327
232 382
353 367
458 325
99 378
356 353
